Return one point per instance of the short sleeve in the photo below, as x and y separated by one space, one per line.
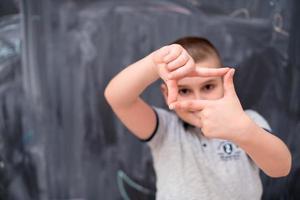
258 119
164 120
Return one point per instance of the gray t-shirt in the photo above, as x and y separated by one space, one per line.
190 166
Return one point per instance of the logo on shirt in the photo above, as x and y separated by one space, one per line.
228 151
228 148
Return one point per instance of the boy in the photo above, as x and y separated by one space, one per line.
210 148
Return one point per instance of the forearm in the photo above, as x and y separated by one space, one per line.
266 150
125 88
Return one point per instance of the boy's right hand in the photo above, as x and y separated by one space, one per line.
173 62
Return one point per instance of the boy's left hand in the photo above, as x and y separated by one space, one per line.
222 118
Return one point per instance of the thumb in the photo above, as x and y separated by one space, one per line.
228 83
172 91
191 105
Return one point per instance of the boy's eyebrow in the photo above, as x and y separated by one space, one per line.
203 83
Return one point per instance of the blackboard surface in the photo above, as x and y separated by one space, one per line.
61 139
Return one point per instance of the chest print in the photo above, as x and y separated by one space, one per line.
228 151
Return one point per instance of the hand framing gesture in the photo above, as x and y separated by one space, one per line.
173 63
222 118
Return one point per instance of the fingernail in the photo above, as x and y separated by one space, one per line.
171 107
233 71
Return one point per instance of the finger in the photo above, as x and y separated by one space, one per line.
207 72
183 71
174 53
228 83
164 50
190 105
172 91
159 55
178 62
163 71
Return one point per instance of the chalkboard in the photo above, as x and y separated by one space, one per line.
9 7
72 145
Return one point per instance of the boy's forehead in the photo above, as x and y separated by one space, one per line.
209 63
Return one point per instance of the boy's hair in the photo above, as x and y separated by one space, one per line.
199 48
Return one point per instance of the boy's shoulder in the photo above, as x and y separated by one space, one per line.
165 113
166 122
258 119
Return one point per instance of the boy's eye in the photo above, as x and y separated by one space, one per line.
208 87
184 91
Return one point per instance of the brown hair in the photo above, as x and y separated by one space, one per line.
199 48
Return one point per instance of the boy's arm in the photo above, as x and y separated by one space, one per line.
265 149
225 119
123 91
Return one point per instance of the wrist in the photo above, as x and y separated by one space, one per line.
152 64
245 130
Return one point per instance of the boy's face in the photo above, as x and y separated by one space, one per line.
201 88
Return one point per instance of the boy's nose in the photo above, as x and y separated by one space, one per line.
198 96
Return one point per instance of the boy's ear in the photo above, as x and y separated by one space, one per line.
164 90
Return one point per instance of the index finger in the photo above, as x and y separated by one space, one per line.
172 90
208 72
190 105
